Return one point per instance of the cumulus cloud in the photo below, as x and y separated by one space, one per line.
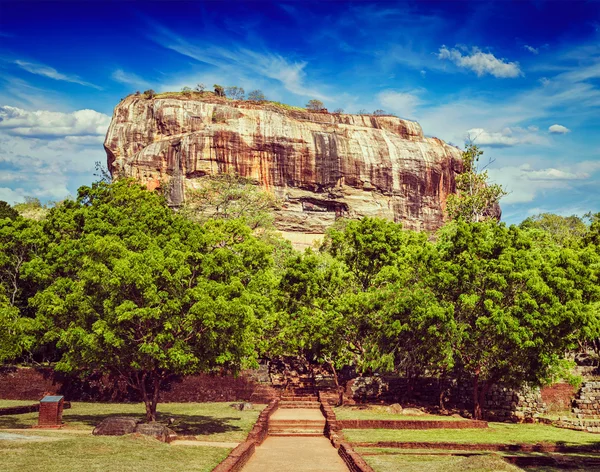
524 183
401 103
559 129
51 73
509 136
49 124
481 63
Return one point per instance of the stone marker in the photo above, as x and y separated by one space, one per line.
51 409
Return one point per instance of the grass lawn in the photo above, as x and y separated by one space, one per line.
206 421
438 463
11 403
379 413
67 452
497 433
391 460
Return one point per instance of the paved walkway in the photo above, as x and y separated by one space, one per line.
296 454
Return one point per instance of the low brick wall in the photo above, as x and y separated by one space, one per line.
33 384
558 397
26 384
479 447
352 459
409 424
260 430
237 458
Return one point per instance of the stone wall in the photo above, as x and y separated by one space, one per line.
587 401
502 404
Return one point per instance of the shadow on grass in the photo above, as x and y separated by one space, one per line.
17 422
192 425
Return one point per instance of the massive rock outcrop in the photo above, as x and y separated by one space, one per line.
321 165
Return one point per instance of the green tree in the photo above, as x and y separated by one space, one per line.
6 211
315 105
256 96
566 231
200 88
138 291
219 90
235 93
516 308
229 196
476 198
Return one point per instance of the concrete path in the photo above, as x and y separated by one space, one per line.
295 454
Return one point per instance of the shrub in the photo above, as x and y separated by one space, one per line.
256 96
315 105
150 93
235 93
219 90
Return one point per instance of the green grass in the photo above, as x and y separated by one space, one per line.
393 459
438 463
206 421
11 403
380 413
497 433
85 453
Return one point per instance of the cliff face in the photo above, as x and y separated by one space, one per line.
322 166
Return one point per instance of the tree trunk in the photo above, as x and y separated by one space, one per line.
476 398
339 389
480 390
150 398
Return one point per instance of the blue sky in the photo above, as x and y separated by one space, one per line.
522 79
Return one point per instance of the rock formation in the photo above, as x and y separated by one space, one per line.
320 165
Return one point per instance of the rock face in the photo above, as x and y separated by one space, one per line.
320 165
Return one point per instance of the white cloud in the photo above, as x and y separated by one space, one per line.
129 78
290 74
531 49
524 183
51 73
559 129
509 136
481 62
402 103
49 124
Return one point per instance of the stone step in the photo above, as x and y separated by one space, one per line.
299 398
302 434
297 423
295 404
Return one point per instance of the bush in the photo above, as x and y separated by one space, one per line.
150 93
235 93
219 90
315 105
200 88
256 96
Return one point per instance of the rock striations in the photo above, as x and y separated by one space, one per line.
320 165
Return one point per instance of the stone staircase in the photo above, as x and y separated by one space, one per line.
299 411
297 427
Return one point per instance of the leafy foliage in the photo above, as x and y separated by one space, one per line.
476 198
256 96
138 291
6 211
315 105
235 93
